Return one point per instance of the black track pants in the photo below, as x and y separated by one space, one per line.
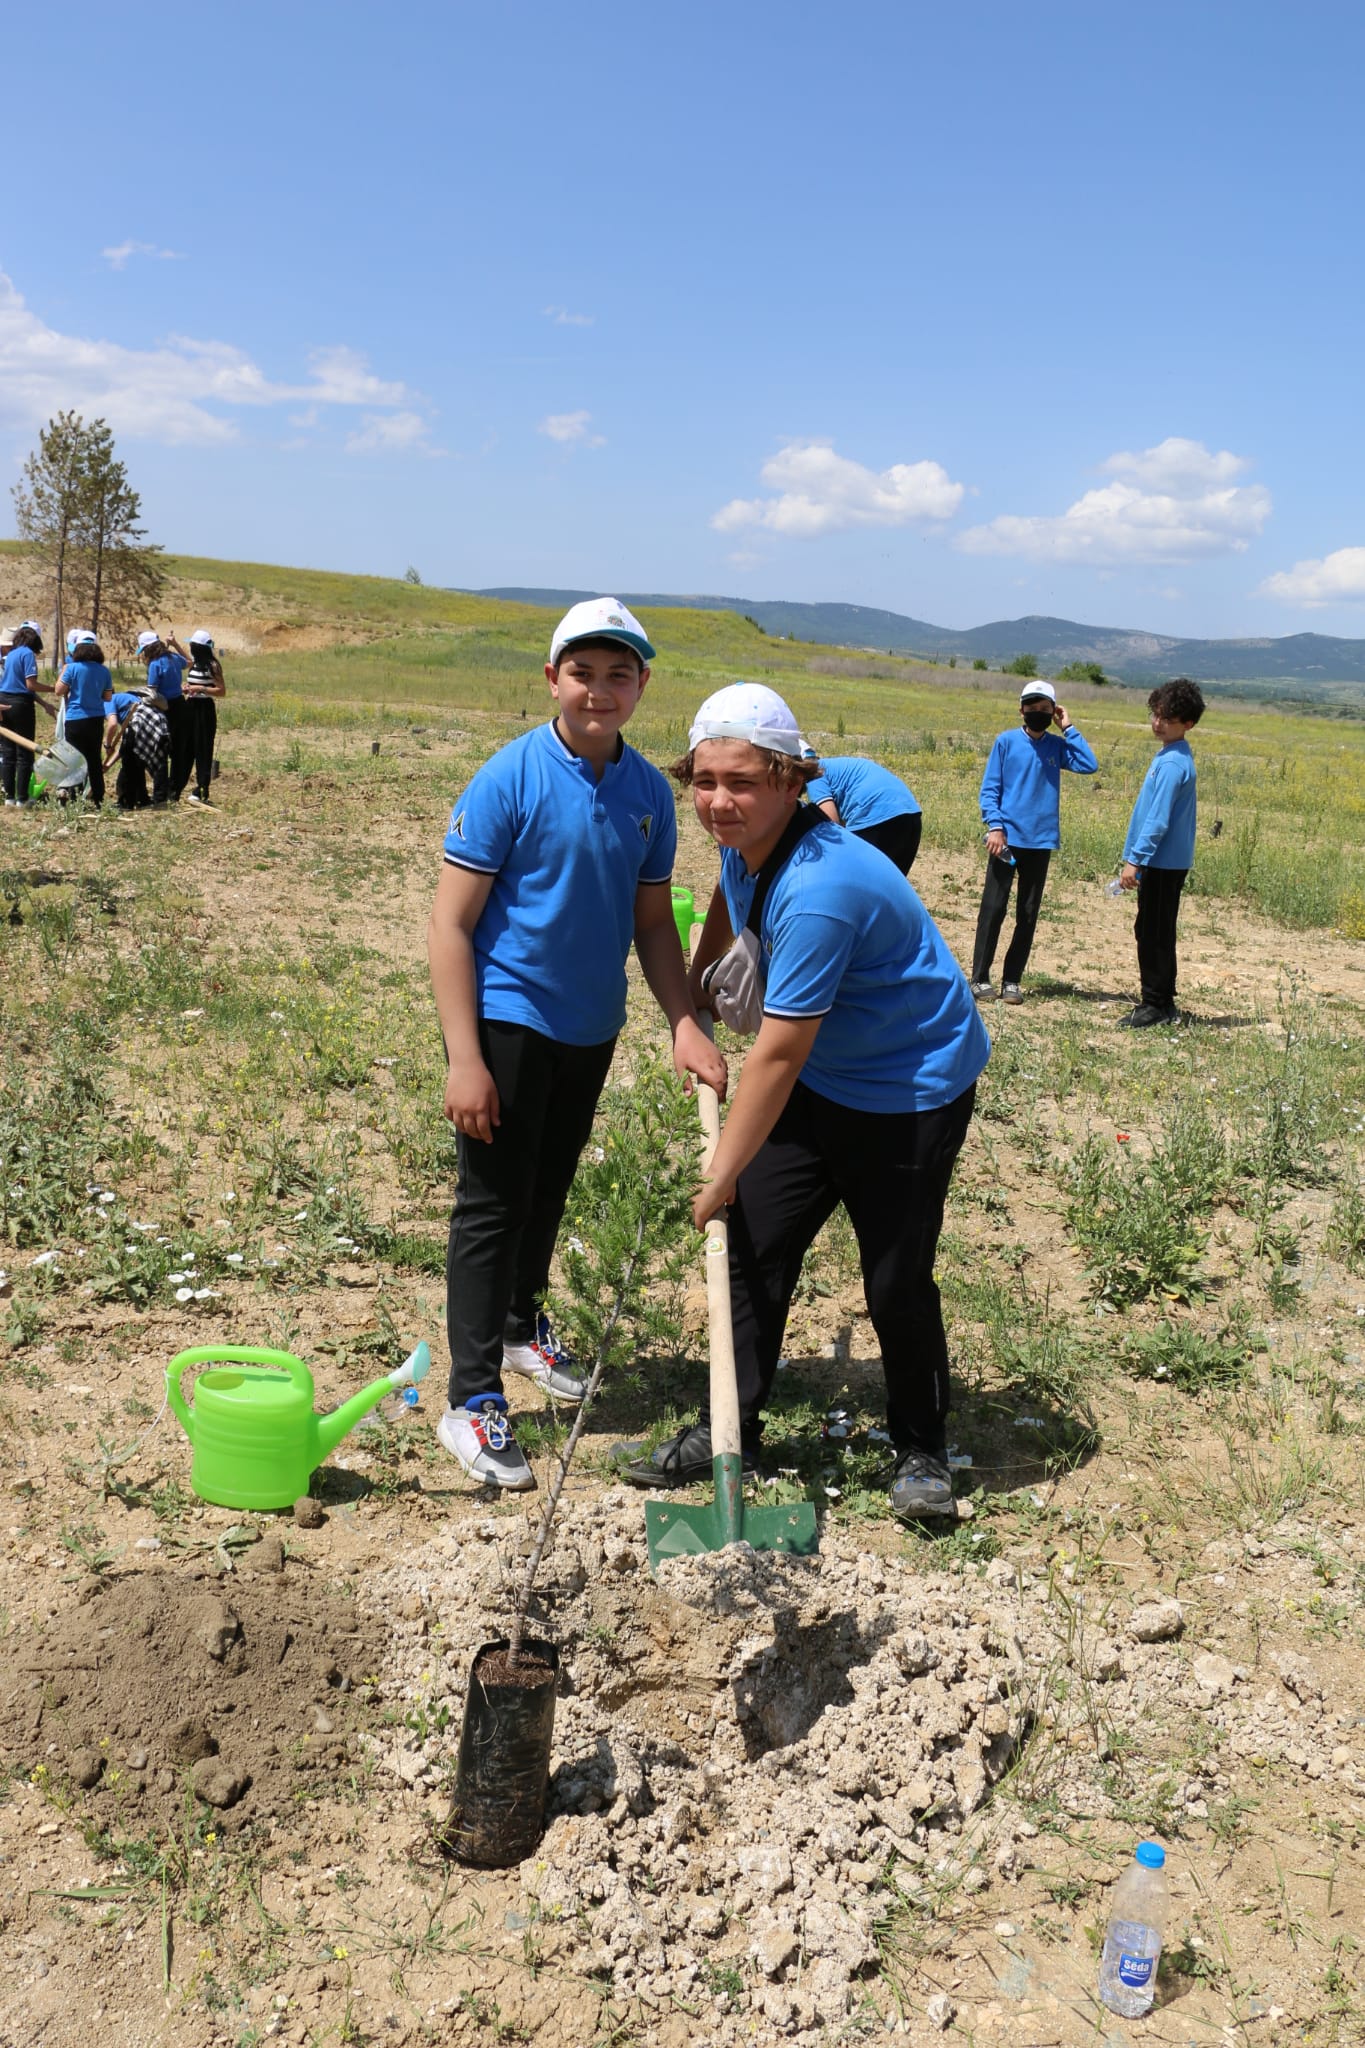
17 714
87 737
1031 867
891 1173
510 1196
898 838
202 714
1158 908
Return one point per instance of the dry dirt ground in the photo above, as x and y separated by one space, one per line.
881 1792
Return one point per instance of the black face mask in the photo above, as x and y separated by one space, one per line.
1037 721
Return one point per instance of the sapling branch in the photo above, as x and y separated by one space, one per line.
528 1577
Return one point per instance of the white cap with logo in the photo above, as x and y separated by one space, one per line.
600 618
201 637
752 712
146 640
1038 690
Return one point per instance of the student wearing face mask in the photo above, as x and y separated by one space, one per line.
1021 809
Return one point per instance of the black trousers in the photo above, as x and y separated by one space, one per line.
87 737
510 1196
898 838
1158 908
1031 867
891 1173
131 787
202 713
182 743
17 714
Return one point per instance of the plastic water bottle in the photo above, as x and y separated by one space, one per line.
1114 888
1132 1945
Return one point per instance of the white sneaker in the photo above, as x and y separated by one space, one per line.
479 1437
983 991
542 1360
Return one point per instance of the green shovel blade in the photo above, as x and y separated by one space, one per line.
677 1529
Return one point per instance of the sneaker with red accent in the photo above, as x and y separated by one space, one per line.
544 1361
479 1437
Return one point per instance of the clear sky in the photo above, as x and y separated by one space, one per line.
966 311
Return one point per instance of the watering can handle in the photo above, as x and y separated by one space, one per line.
229 1354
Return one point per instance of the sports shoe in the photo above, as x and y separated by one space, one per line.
920 1485
680 1461
1147 1014
983 991
1010 992
194 798
479 1437
543 1361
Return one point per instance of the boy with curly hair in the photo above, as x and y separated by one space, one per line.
1159 849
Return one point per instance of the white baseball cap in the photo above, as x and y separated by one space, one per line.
752 712
201 637
146 640
83 637
33 627
600 618
1038 690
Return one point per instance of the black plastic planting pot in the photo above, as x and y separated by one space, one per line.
497 1815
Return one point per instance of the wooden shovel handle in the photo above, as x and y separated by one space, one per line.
725 1436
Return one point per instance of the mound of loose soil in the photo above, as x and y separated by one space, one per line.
236 1688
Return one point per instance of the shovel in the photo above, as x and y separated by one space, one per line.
58 763
675 1529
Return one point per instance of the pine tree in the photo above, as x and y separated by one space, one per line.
75 504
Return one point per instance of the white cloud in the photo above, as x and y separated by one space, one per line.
819 492
391 433
562 317
180 392
1176 502
570 429
117 257
1339 578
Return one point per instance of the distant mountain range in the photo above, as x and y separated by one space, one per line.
1307 663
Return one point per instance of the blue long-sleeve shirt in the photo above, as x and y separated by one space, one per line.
1021 790
1161 829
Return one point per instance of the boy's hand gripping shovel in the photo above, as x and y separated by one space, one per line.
677 1530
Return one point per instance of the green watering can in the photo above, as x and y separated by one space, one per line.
256 1439
684 911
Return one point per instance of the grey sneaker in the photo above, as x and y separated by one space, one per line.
983 991
1010 992
479 1437
920 1485
545 1362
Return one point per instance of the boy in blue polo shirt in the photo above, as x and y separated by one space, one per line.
858 1089
874 804
1158 852
19 691
558 855
1021 810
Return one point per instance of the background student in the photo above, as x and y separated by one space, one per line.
872 803
1022 812
1158 852
87 688
20 689
166 662
203 686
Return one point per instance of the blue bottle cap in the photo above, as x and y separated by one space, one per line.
1151 1855
410 1397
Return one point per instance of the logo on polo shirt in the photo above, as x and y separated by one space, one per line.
457 824
645 824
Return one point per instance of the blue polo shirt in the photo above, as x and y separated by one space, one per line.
865 792
88 685
567 853
122 702
900 1030
1021 790
164 675
1161 829
20 666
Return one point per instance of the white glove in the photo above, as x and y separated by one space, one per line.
735 986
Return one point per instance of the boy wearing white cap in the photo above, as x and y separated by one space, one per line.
1021 810
19 692
558 855
858 1089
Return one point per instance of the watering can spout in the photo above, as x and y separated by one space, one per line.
332 1428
